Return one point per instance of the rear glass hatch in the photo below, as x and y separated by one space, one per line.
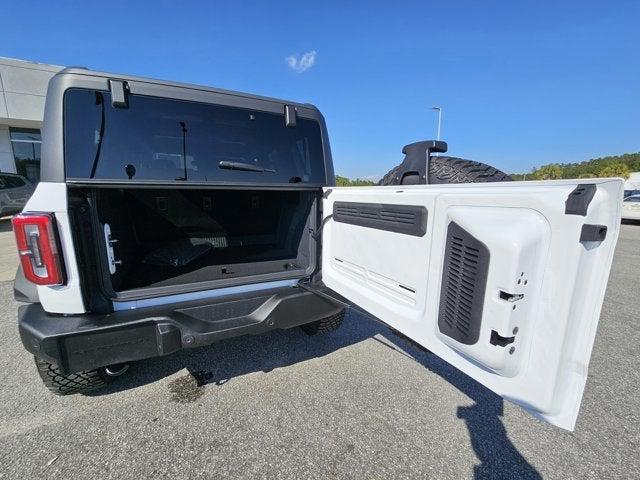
159 139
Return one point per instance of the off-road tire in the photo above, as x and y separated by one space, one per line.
60 384
325 325
454 170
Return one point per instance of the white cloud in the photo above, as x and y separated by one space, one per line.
302 64
292 62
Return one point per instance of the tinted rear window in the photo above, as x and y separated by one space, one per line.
9 181
166 140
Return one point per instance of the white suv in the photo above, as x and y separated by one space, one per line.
170 216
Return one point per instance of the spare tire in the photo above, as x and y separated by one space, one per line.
442 169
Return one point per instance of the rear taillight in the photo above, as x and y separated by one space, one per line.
37 241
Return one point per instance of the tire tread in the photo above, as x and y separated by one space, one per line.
325 325
60 384
444 169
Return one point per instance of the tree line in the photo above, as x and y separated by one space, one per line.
611 166
347 182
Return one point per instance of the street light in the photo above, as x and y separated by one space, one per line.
439 109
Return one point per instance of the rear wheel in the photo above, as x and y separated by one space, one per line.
78 382
448 170
325 325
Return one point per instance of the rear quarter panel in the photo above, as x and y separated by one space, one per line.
51 197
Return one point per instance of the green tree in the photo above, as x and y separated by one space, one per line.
346 182
553 171
342 181
617 169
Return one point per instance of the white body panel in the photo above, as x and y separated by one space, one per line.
52 198
631 208
534 252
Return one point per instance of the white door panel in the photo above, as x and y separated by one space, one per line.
499 286
521 244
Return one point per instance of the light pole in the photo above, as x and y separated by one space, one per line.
439 109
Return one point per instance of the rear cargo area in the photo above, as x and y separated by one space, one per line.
163 237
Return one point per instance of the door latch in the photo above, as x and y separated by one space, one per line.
109 242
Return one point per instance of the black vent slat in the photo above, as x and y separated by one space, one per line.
407 219
464 279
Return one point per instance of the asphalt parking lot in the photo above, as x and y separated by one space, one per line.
358 403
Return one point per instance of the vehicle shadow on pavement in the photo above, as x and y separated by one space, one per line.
227 359
222 361
498 455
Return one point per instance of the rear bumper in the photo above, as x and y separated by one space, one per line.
83 342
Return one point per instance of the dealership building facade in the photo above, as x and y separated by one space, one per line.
23 88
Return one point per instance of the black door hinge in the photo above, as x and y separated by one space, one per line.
119 92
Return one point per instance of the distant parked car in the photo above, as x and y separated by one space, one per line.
15 190
631 208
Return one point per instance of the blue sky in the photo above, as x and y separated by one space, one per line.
521 84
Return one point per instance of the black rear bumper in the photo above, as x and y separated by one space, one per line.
83 342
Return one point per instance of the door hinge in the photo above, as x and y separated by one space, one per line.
119 92
290 115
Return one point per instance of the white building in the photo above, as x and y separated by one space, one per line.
23 87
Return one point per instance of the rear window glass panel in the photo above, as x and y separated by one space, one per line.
10 181
164 139
16 182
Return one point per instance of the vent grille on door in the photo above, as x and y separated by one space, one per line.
464 280
407 219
